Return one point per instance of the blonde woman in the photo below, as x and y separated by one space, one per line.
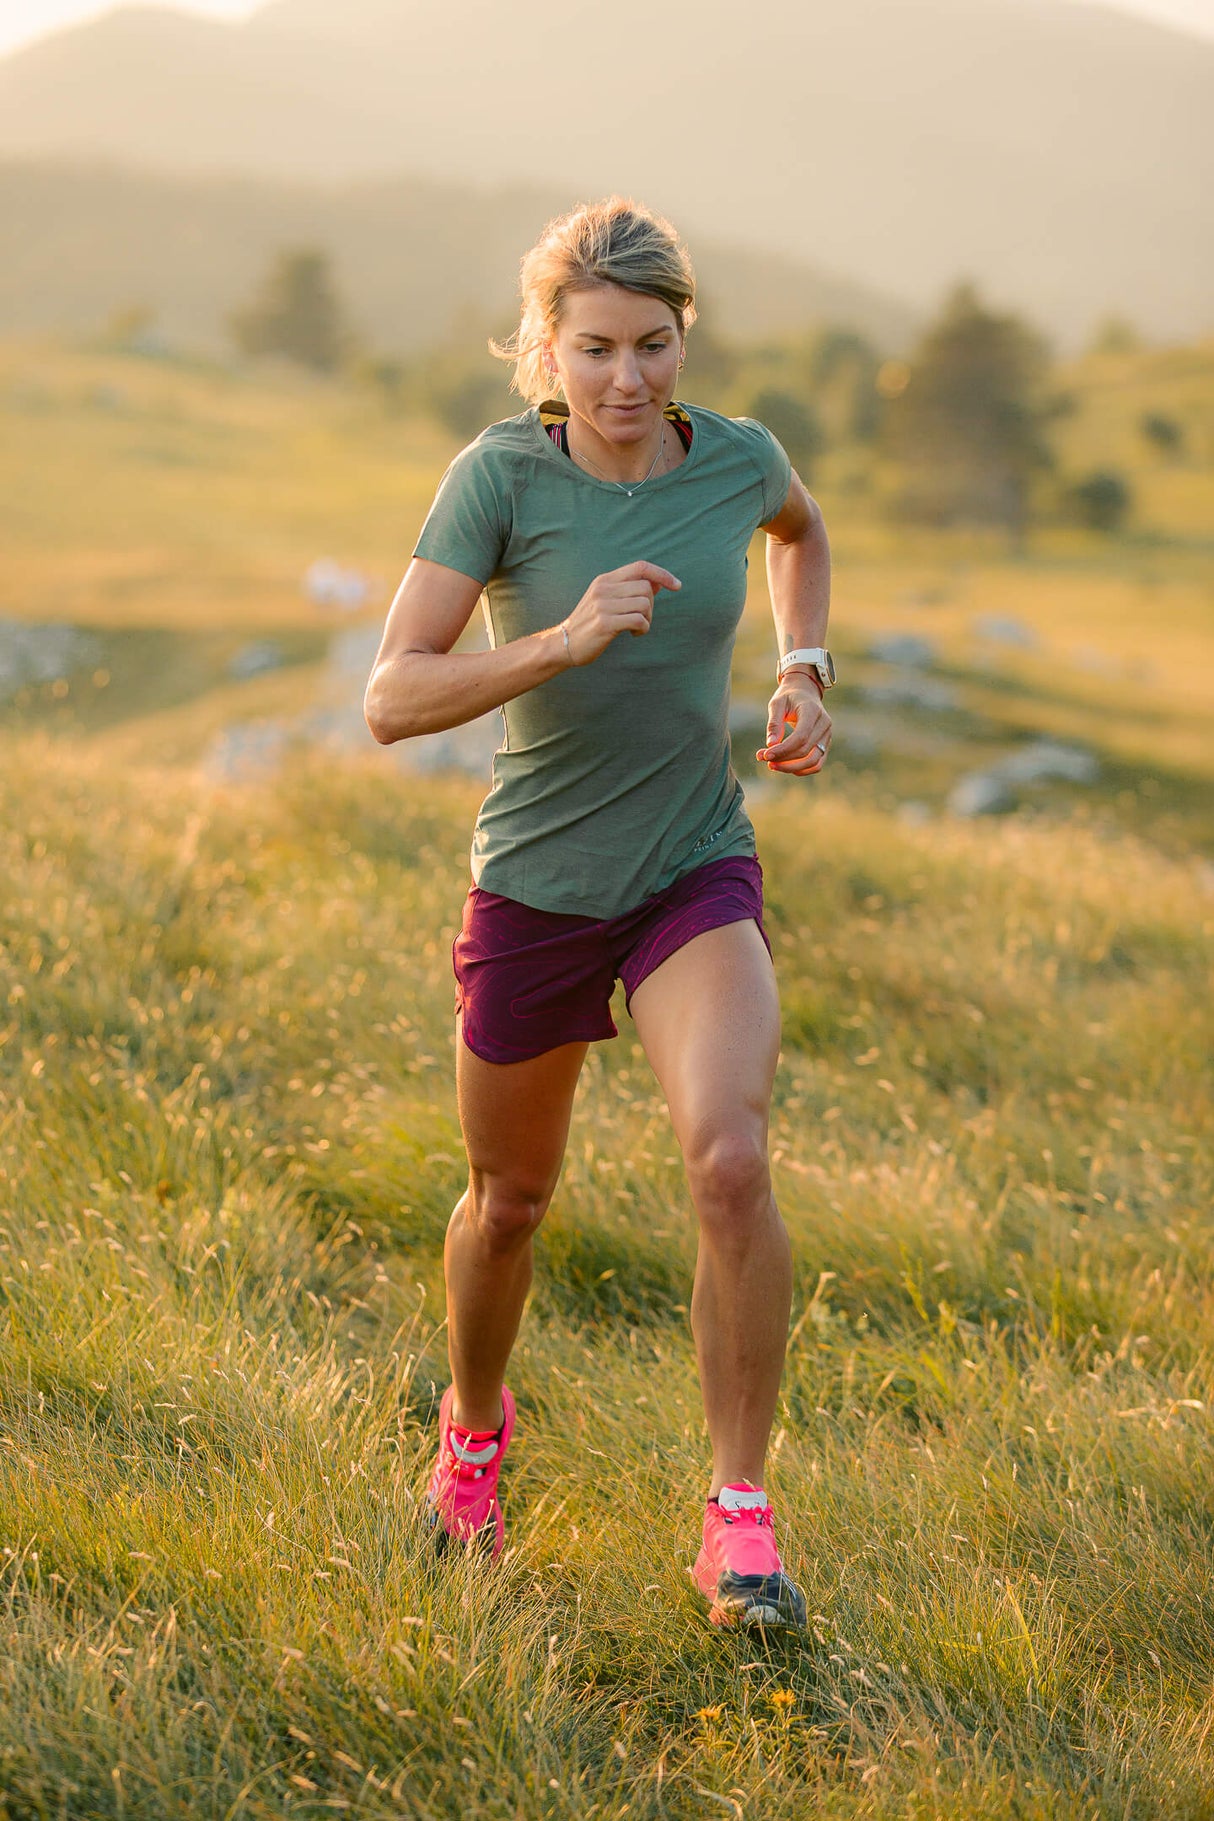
607 528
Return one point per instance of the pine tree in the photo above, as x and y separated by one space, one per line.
296 313
970 424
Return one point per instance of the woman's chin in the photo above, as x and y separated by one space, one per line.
626 426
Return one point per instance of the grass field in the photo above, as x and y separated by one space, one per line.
228 1152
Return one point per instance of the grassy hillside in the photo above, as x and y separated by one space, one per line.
227 1155
142 494
228 1151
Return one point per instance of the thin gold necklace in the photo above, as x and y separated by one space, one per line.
623 485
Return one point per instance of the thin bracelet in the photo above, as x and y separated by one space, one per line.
808 671
565 636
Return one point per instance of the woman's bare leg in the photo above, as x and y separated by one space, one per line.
515 1120
709 1019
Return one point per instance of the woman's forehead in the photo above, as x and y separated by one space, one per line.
610 310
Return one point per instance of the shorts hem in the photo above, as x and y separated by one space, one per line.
663 954
488 1051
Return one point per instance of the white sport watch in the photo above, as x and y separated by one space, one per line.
816 658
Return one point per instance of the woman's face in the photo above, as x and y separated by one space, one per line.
616 353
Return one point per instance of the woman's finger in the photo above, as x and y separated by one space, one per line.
781 715
796 743
649 572
802 767
800 752
795 716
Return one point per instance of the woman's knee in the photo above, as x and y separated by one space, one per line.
729 1177
504 1211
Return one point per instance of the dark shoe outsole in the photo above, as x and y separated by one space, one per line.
758 1599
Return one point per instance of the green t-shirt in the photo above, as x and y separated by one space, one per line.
614 778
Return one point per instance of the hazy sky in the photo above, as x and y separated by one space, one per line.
21 20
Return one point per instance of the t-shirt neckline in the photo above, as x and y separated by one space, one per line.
558 408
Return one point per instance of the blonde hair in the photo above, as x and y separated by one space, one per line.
616 242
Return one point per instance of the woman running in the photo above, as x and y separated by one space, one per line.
614 841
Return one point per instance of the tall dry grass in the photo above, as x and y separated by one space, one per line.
227 1154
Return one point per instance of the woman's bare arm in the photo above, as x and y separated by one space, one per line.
798 579
419 685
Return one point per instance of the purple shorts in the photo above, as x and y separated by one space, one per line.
528 980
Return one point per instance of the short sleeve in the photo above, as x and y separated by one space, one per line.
775 469
468 525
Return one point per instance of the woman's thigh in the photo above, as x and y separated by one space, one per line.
515 1115
709 1021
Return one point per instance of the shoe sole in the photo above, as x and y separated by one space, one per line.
770 1600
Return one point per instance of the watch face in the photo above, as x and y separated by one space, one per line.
829 666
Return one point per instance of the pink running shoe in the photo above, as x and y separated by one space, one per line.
462 1495
739 1570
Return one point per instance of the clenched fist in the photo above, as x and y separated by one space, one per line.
619 601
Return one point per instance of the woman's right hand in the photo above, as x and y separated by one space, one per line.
619 601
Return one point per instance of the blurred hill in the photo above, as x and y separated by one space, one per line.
413 257
1061 156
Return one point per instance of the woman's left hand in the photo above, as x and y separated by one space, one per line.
798 729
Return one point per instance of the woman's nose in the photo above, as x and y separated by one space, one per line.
627 374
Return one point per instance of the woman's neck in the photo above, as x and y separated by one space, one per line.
629 466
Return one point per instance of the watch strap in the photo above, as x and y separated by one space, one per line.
816 657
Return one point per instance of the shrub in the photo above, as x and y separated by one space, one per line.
1101 500
1166 434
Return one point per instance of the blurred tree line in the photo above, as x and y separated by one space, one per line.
958 431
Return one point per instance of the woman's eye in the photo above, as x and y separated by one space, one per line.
594 351
656 347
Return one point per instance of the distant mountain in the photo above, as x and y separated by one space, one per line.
1063 156
415 261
